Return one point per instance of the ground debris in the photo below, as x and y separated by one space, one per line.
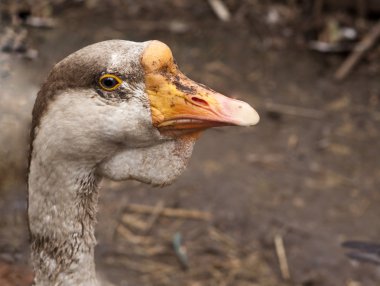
220 10
170 212
39 22
277 108
266 159
194 250
360 49
281 254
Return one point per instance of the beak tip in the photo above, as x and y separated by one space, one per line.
248 116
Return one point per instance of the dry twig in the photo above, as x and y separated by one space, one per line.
171 212
281 254
359 51
220 10
131 237
134 222
159 207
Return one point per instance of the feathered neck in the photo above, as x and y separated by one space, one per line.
63 197
62 215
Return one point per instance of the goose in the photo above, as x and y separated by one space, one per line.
119 110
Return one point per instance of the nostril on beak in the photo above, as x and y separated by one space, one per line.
199 101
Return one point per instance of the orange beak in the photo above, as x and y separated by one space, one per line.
180 104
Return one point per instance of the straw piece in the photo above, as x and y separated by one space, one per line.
281 254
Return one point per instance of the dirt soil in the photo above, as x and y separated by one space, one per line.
307 175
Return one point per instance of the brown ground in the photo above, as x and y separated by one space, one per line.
310 179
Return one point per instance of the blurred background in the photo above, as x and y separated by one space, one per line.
268 205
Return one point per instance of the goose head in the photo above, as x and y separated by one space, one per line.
126 109
114 109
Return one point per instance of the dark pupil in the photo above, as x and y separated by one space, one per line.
109 82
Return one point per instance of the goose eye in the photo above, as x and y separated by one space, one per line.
109 82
